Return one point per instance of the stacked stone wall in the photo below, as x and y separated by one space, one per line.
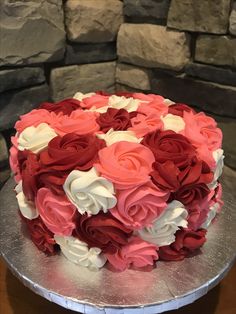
184 50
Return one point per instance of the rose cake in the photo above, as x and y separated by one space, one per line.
119 180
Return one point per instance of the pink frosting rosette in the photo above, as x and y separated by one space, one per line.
156 106
34 118
95 101
149 116
149 97
138 207
79 122
145 123
137 253
125 164
203 133
56 212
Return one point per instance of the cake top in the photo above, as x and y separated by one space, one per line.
121 180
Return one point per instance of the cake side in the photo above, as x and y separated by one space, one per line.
120 180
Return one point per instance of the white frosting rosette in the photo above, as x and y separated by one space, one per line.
168 102
80 96
218 156
78 252
211 215
119 102
27 209
162 232
36 138
173 122
89 192
112 137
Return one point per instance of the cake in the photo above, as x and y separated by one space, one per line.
118 181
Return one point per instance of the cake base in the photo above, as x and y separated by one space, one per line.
169 286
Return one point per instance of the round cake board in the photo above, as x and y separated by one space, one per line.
169 286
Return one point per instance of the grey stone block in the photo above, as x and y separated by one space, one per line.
20 77
15 103
3 151
218 50
229 131
136 77
232 20
93 21
210 97
199 16
125 88
211 73
31 31
152 46
90 53
66 81
152 11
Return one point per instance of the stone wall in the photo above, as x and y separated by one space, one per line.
184 50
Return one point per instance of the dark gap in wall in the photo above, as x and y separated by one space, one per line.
193 39
49 66
86 53
144 20
7 135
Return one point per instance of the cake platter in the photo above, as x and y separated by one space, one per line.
169 286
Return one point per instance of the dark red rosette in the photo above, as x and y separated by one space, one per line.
125 94
197 216
29 166
117 119
71 152
35 176
65 106
178 109
52 180
193 183
170 146
102 93
22 156
187 242
165 175
103 231
41 236
188 185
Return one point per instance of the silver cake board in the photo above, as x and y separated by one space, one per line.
169 286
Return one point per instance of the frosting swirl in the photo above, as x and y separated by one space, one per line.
79 122
125 164
139 206
89 192
27 208
80 96
136 253
112 137
162 232
36 138
78 252
173 122
218 156
121 102
56 212
211 215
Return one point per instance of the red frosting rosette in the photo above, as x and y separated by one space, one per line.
120 180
